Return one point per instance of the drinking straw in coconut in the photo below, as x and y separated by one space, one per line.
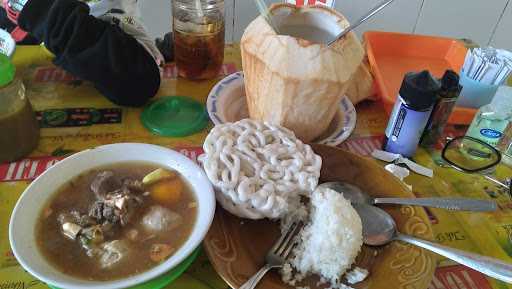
264 11
361 20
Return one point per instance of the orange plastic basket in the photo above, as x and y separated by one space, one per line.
392 55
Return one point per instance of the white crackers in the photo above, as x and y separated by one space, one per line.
258 169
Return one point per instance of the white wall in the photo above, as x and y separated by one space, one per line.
503 33
156 16
399 16
473 19
486 22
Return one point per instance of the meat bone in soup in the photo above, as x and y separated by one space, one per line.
116 221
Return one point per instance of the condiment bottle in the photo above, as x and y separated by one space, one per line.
493 122
447 97
198 27
411 113
19 130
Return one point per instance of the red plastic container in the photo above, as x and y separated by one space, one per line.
391 55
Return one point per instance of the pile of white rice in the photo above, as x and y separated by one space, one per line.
329 243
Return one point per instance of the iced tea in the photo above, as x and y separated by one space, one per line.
199 56
198 27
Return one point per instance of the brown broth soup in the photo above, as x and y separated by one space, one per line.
89 257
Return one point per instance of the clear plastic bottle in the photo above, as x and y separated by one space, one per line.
493 122
19 130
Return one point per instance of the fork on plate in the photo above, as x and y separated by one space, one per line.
277 255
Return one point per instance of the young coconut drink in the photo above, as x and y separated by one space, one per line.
291 78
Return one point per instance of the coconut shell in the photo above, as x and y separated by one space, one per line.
294 82
361 84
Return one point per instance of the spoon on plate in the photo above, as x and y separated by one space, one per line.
356 196
379 228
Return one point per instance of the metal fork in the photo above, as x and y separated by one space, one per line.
277 255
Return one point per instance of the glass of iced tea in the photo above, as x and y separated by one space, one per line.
198 27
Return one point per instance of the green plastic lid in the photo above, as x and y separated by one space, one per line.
175 116
7 70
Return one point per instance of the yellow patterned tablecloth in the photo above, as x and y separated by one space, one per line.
75 117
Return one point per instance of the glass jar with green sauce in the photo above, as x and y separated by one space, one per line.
19 130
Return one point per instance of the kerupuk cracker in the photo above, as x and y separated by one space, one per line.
259 170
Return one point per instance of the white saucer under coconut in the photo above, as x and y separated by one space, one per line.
227 103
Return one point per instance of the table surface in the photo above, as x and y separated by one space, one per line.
92 120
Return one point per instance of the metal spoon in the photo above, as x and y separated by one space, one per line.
356 195
379 228
361 20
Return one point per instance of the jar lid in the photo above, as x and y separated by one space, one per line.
175 116
7 70
419 90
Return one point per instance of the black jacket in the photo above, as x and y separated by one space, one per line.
93 50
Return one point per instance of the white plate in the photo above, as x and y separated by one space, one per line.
7 44
226 103
32 201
